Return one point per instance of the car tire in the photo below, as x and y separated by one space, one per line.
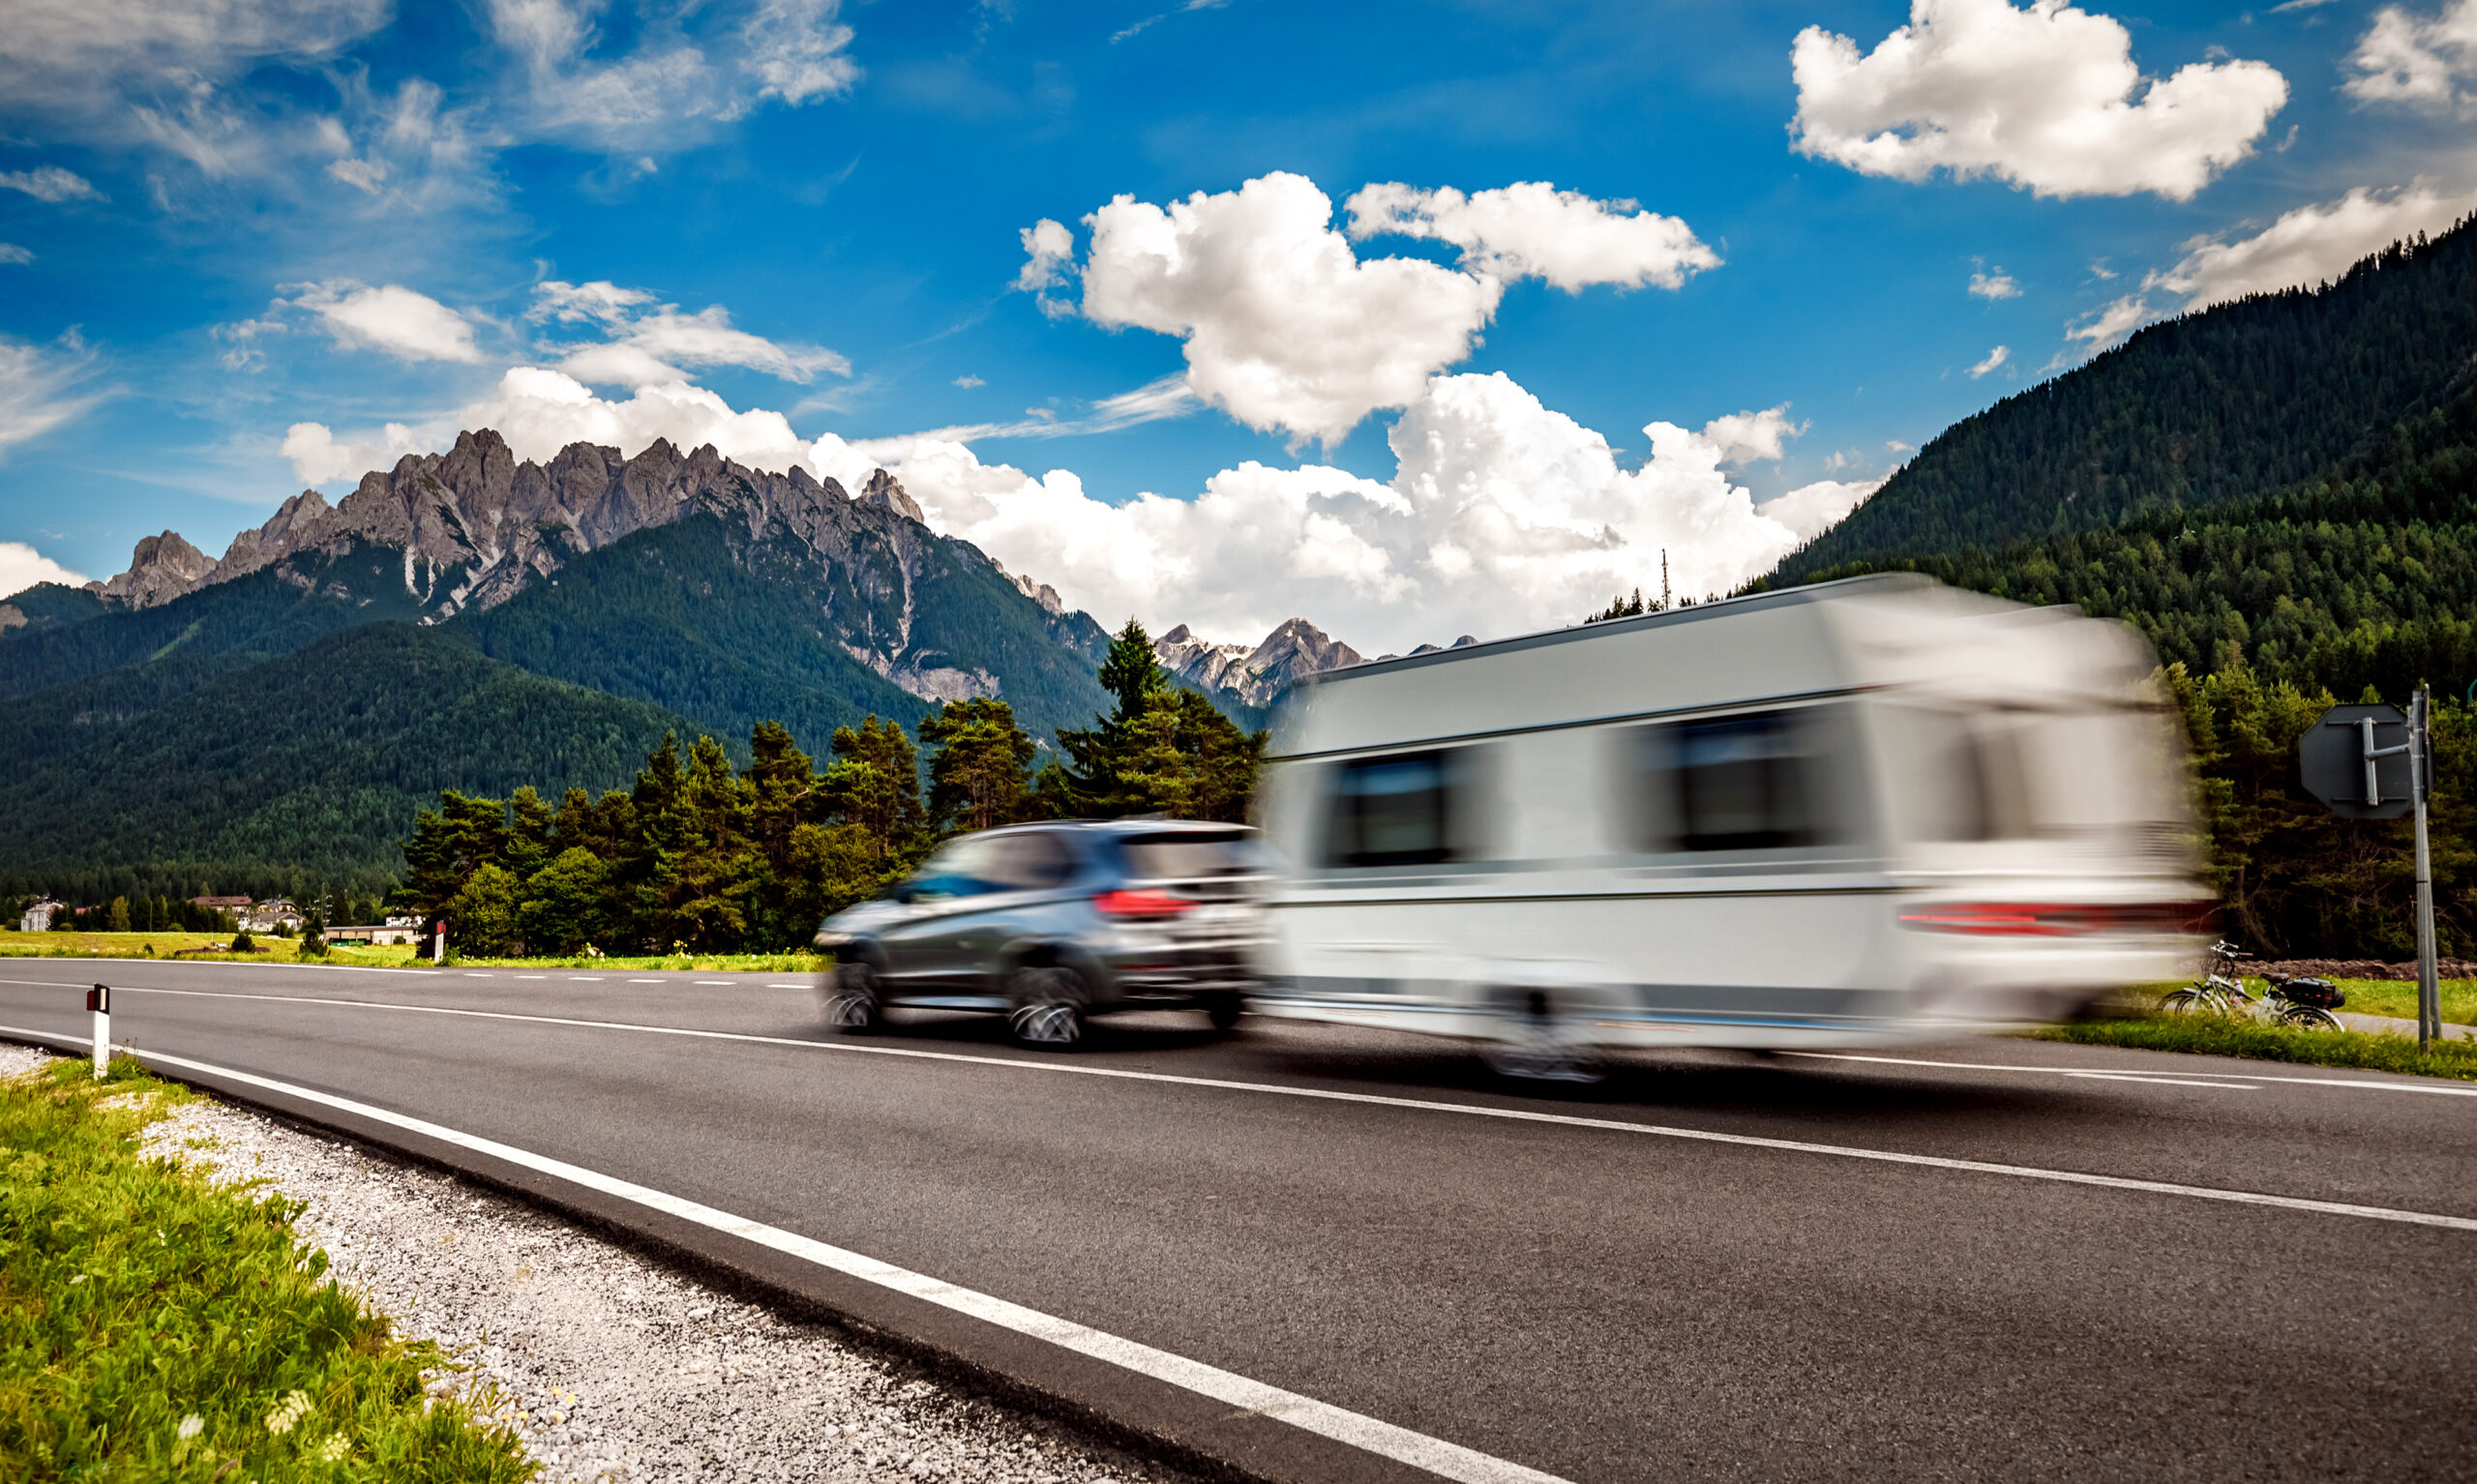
1047 1003
853 1002
1224 1010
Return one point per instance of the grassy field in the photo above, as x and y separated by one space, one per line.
185 945
155 1326
2211 1035
2399 997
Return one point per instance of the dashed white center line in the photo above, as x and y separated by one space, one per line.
533 976
584 978
644 981
713 981
787 986
470 974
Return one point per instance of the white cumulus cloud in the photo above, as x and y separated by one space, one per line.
401 323
21 567
11 253
1501 514
1532 229
2046 97
2422 59
1286 327
1048 259
1994 358
1998 284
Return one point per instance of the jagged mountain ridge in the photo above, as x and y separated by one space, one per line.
1255 674
476 526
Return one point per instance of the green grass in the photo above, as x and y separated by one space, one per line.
134 1296
163 945
2398 997
2211 1035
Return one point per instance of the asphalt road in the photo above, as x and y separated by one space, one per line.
1594 1301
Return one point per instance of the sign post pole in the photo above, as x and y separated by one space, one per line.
2421 765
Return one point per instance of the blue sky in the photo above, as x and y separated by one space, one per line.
226 225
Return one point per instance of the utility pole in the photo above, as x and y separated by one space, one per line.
1663 579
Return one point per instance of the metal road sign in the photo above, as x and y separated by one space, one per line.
2371 762
2357 760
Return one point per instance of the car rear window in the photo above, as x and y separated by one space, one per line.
1188 856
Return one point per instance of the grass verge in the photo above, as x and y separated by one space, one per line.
2210 1035
184 945
154 1325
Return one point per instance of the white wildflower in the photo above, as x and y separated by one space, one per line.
191 1426
294 1406
333 1449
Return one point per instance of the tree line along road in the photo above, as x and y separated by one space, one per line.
1317 1253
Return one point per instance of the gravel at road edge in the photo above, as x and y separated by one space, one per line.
611 1365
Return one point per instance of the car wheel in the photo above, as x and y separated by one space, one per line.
1224 1010
1047 1002
854 1004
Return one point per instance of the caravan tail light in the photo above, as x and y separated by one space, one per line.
2048 919
1140 903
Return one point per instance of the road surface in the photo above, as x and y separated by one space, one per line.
1705 1267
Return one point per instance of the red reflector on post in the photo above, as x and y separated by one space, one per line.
1140 903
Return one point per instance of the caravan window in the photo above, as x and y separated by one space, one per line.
1735 783
1393 811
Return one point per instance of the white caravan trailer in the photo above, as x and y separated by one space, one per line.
1850 814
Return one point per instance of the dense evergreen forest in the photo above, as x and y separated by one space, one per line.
2221 405
703 854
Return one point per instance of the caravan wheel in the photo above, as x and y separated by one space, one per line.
1534 1044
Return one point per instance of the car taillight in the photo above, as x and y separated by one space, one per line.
1140 903
2050 919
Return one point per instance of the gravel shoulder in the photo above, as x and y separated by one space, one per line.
614 1366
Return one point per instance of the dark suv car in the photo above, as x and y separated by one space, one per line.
1052 923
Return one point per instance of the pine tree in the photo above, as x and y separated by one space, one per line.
980 773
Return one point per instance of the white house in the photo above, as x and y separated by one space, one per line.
38 918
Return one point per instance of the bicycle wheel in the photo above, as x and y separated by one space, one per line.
2309 1017
2185 1001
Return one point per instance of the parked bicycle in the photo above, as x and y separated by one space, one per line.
2299 1002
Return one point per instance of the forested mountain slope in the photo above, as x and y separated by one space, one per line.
2236 401
314 760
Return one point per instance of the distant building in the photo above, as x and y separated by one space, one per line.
221 903
268 915
38 918
378 937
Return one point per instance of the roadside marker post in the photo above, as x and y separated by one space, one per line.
2344 761
98 999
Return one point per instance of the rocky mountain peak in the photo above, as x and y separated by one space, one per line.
885 492
1256 674
160 569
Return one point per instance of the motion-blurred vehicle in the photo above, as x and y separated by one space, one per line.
1051 924
1854 814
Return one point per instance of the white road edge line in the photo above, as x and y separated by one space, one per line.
1448 1460
2440 1091
1427 1105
